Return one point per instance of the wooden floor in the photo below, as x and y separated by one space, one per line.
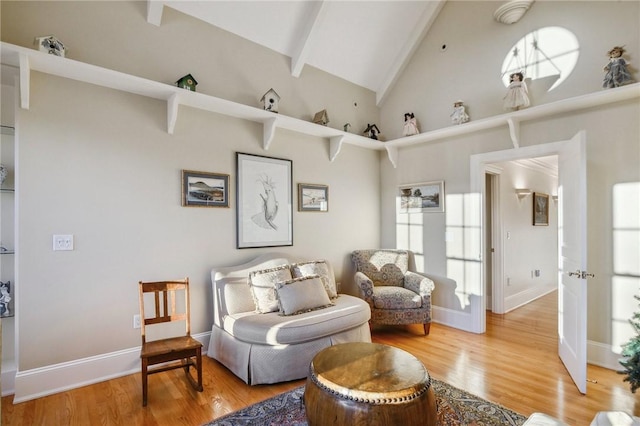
514 364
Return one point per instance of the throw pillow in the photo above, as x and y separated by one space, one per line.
317 267
262 285
300 295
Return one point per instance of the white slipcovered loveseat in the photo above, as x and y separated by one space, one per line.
272 347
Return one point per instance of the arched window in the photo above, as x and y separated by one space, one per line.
550 53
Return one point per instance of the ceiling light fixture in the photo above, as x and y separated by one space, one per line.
511 12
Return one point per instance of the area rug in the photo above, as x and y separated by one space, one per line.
455 408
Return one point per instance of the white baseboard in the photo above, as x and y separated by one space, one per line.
529 295
39 382
8 378
602 355
452 318
43 381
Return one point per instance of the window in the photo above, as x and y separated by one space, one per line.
550 53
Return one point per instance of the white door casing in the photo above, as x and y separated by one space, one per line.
572 238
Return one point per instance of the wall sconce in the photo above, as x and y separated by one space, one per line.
522 192
554 198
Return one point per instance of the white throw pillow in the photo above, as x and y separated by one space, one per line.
300 295
263 284
317 267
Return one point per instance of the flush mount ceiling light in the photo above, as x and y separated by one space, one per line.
512 11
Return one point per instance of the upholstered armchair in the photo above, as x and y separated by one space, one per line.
395 294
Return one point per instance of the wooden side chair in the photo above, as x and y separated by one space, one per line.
168 350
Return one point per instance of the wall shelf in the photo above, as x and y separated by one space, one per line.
29 59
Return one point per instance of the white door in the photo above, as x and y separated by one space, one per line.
572 252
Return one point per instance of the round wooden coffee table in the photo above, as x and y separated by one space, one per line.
368 384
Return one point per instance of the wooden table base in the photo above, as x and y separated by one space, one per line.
368 384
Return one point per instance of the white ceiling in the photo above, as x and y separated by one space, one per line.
547 165
365 42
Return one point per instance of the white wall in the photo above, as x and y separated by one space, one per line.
99 164
471 65
116 35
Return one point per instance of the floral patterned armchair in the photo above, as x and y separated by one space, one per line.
395 294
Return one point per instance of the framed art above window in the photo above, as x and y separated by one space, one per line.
422 197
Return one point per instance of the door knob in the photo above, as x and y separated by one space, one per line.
581 274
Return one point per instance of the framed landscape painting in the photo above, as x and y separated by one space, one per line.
265 201
422 197
202 189
313 198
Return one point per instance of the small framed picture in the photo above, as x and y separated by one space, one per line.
540 209
313 198
202 189
422 197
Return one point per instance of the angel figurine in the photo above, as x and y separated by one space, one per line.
459 114
616 70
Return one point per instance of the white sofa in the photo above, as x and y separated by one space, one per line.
263 348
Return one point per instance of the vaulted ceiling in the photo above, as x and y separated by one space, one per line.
365 42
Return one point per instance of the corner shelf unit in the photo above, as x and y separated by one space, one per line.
29 59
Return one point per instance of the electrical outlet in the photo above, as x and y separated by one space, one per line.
62 242
136 321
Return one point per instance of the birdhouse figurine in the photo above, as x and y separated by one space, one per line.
321 118
371 131
270 101
187 82
50 44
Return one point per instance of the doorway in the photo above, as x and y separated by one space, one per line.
520 259
572 242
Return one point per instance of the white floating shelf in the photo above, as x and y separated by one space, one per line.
513 119
29 59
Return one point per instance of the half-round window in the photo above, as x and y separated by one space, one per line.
548 54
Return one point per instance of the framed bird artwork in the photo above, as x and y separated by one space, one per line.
264 200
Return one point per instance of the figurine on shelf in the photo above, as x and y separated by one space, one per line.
346 127
3 173
616 70
321 117
270 101
372 131
51 45
410 125
5 298
187 82
517 94
459 114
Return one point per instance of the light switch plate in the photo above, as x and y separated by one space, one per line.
62 242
